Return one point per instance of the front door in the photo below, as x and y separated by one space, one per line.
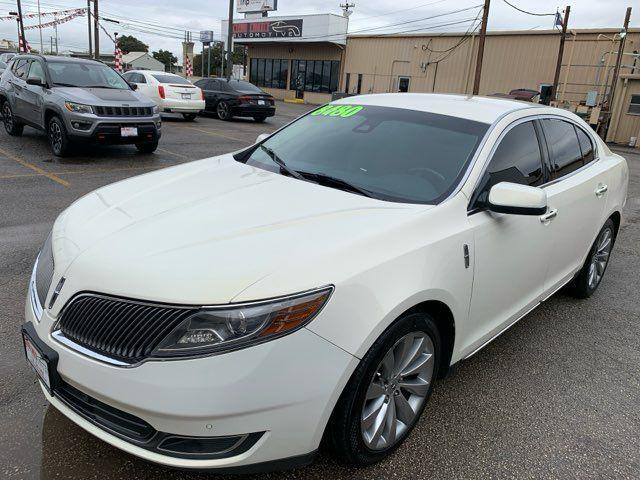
511 251
33 95
577 193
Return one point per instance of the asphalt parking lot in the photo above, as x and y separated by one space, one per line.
557 396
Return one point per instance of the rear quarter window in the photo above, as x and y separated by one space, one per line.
564 148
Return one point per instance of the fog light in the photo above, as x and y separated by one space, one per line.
76 125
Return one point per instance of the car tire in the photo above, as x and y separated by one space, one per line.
259 119
147 147
587 280
11 124
223 111
58 138
374 386
189 117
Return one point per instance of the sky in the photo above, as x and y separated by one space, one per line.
161 23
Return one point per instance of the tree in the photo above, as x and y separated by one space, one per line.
166 57
216 59
129 43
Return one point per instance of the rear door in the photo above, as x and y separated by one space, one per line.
18 85
577 192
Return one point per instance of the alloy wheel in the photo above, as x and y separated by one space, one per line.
55 135
7 117
223 111
397 391
600 258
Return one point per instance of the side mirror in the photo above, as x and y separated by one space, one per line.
516 199
35 81
133 86
262 137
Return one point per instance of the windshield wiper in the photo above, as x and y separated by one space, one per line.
329 181
283 166
58 84
103 86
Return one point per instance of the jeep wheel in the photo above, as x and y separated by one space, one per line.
11 124
147 147
58 138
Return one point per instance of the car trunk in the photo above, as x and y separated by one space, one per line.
180 92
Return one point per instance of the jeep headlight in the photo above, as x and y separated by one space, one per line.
156 109
78 107
232 327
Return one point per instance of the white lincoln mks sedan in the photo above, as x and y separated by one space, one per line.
231 313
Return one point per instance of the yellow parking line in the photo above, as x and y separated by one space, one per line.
85 172
218 134
175 154
35 168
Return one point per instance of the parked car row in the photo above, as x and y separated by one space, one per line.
75 100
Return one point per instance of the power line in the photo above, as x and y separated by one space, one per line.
529 13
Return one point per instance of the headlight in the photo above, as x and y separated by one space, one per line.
234 327
156 109
78 107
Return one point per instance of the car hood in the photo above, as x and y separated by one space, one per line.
101 96
202 232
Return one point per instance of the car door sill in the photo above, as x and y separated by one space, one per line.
562 285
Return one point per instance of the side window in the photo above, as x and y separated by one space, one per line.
564 149
586 146
517 160
128 77
36 71
213 85
141 78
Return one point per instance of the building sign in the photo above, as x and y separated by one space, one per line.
253 6
206 36
272 29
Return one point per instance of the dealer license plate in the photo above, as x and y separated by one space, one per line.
261 102
129 131
37 361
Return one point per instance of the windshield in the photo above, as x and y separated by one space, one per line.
175 79
391 153
85 75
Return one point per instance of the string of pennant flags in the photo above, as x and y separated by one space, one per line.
76 12
58 21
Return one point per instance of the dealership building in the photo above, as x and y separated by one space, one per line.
312 56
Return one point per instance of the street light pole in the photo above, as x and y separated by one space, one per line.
40 28
96 28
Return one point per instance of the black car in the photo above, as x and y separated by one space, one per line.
236 98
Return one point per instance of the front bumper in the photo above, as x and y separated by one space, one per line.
283 390
107 130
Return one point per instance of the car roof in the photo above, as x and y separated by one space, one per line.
476 108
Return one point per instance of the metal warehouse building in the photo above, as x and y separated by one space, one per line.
312 57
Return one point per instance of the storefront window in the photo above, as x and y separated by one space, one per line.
315 75
269 72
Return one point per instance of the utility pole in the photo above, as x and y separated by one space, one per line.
483 34
89 28
21 29
96 28
40 28
230 42
616 70
556 77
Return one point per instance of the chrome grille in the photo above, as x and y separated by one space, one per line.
124 111
124 330
44 271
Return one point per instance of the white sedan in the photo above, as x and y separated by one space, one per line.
172 93
234 311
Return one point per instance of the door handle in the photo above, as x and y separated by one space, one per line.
601 190
550 215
